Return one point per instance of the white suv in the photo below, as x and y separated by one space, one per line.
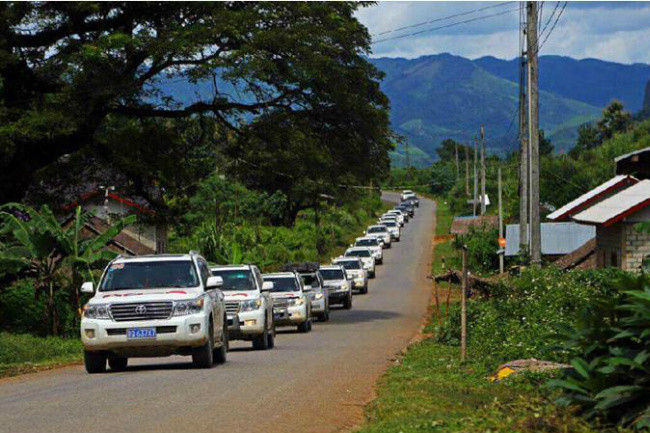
154 306
366 256
291 305
381 232
354 269
393 229
336 279
249 305
373 244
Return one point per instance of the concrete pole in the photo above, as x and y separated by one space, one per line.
533 136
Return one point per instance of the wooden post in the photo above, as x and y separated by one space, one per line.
463 309
483 199
500 222
523 140
533 135
466 169
457 167
475 176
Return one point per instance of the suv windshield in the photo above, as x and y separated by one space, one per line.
150 275
391 224
235 279
283 284
310 280
367 243
358 253
376 229
332 274
349 264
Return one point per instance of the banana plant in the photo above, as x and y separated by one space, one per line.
38 246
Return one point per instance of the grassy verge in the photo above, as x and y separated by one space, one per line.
23 353
430 390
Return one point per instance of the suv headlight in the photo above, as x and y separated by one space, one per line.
298 301
184 308
250 305
96 311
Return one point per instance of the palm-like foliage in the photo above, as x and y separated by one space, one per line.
55 256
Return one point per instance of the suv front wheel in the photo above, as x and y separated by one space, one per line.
95 362
203 357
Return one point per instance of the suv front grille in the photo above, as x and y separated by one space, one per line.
141 311
232 307
283 302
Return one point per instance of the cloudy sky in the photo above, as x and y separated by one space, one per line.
615 31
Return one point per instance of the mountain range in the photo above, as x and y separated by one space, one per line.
445 96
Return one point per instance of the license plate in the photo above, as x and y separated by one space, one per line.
279 313
140 333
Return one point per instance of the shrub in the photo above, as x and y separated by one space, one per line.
610 379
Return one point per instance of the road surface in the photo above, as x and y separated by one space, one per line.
312 383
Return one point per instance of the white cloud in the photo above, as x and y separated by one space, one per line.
612 31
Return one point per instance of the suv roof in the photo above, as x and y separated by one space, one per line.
376 225
366 238
304 267
357 248
280 275
154 258
234 267
328 267
343 259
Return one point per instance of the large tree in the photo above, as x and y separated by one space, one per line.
72 71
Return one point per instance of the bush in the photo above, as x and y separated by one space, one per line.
481 248
522 317
610 379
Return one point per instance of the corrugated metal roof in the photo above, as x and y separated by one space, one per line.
557 238
636 152
611 186
618 206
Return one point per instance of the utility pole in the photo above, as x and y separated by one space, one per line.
466 169
523 139
456 152
500 222
463 309
533 133
475 175
483 199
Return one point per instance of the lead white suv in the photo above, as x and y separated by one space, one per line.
249 305
149 306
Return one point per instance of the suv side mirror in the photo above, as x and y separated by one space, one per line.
87 287
267 286
214 282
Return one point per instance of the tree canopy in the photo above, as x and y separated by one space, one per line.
83 79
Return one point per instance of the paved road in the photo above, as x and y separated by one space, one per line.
308 383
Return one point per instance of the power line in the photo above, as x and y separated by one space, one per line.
553 27
442 19
445 26
549 19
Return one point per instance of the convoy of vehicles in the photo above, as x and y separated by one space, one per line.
176 304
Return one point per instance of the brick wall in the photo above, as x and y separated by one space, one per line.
637 248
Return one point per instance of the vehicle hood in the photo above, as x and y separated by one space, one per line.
235 295
147 295
283 295
334 283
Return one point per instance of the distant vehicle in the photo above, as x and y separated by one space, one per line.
373 244
380 231
355 270
338 283
313 284
291 305
402 217
367 258
393 229
406 194
249 305
406 207
390 218
154 305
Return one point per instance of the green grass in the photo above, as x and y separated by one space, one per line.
23 352
444 217
431 391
